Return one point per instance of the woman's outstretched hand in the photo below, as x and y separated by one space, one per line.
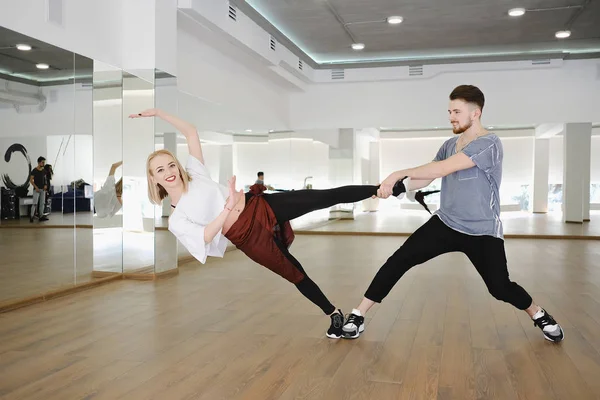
152 112
234 196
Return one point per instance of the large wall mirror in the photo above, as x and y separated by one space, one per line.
138 143
45 170
108 170
165 137
81 214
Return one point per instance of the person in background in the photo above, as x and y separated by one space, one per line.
259 185
38 179
49 175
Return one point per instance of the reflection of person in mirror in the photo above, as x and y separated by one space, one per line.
49 175
207 215
259 185
38 180
107 200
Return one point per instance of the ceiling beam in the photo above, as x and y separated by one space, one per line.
261 21
546 131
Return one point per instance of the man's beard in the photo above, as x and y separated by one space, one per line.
460 129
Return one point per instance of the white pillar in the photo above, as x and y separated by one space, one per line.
226 164
374 161
341 160
587 164
541 169
576 166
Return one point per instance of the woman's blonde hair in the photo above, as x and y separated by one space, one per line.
156 192
119 187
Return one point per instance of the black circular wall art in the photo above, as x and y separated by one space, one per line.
20 190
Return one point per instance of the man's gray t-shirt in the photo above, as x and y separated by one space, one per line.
470 200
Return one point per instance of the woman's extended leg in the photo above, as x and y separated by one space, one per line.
290 205
312 292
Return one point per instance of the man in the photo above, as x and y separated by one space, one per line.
38 180
259 186
261 180
468 220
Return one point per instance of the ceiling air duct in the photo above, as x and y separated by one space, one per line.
20 99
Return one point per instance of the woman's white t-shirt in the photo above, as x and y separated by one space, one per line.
202 204
106 202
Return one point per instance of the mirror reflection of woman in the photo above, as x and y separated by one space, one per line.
49 176
107 200
208 215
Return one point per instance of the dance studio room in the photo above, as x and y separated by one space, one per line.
318 199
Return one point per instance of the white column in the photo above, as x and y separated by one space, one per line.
587 165
541 169
577 144
341 159
374 161
226 164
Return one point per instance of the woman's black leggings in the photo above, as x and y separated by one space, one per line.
289 205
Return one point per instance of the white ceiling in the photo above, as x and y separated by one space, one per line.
433 31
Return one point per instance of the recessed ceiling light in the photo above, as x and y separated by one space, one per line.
490 127
42 66
248 130
395 19
562 34
516 12
23 47
358 46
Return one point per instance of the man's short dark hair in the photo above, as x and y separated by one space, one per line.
470 94
260 173
40 159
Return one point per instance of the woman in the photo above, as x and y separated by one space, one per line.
49 190
107 200
207 215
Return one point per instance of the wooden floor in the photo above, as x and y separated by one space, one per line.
36 261
515 224
233 330
40 257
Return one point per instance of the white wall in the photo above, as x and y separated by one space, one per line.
556 160
68 110
166 36
90 28
68 113
517 167
108 134
235 97
285 162
595 160
17 169
341 171
399 154
568 92
71 159
555 173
